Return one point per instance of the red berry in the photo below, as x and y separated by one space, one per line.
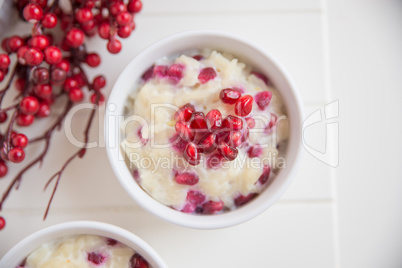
25 120
4 45
124 18
227 151
195 197
39 41
93 59
206 74
137 261
41 3
254 151
265 174
53 55
88 27
99 82
29 105
230 95
95 258
33 56
95 96
49 20
208 143
184 113
44 109
241 199
117 7
175 72
20 140
214 118
75 37
14 43
185 132
83 15
3 117
261 76
212 207
187 178
250 122
199 121
114 46
191 154
134 6
263 99
40 75
104 30
3 172
69 84
232 122
32 12
80 79
58 76
76 95
4 61
124 31
16 155
43 91
64 64
21 54
2 223
244 105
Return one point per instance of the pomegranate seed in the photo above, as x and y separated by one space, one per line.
3 117
83 15
3 173
208 143
39 41
32 12
25 120
244 105
76 95
227 151
214 118
214 161
64 65
124 31
199 121
230 95
53 55
272 122
2 223
100 100
175 72
245 135
20 140
206 74
137 261
160 70
187 178
185 132
265 174
75 37
232 122
195 197
114 46
111 242
198 57
254 151
189 208
33 56
235 138
93 59
134 6
44 110
261 76
117 7
4 61
99 82
95 258
14 43
212 207
178 143
104 30
241 199
184 113
29 105
250 122
16 155
69 84
191 154
124 18
262 99
49 20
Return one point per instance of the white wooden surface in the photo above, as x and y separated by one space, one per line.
346 217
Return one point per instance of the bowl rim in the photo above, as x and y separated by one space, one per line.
28 244
207 221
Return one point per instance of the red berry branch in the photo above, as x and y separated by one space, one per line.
48 67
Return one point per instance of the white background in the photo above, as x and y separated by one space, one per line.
348 217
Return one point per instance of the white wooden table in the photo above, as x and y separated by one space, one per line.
348 217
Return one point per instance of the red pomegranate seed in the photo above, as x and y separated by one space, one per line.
198 57
191 154
16 155
25 120
244 106
235 138
3 173
111 242
265 174
187 178
33 56
184 131
148 74
232 122
241 199
250 122
44 110
175 72
137 261
184 113
32 12
206 74
195 197
20 140
178 143
261 76
214 161
229 95
272 122
214 118
199 121
212 207
95 258
2 223
188 208
255 151
245 134
160 70
208 143
29 105
262 99
227 151
4 61
49 20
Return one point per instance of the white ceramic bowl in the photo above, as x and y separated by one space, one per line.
20 251
246 52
